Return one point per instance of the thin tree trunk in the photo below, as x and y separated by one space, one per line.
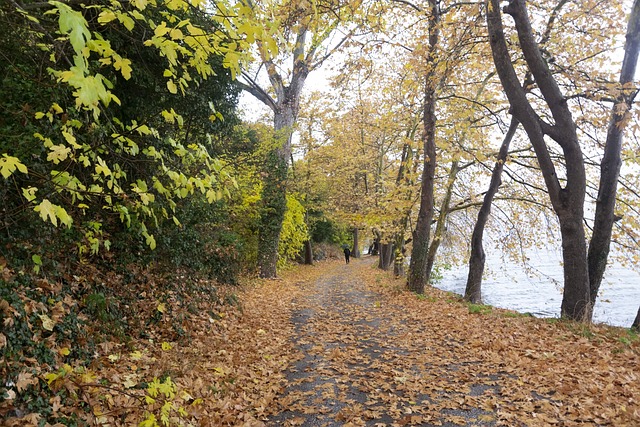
398 256
308 253
376 243
473 290
418 266
442 221
611 161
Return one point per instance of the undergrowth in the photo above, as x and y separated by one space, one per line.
54 334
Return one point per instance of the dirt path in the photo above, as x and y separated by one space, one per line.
361 363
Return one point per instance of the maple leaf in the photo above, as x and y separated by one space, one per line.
24 380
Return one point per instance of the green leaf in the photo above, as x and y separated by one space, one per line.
29 193
73 23
63 216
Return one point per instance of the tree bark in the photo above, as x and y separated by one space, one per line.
355 253
285 106
386 256
567 202
273 197
636 323
600 242
419 255
442 221
308 253
473 290
398 255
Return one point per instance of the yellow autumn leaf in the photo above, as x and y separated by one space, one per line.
64 351
171 86
124 66
166 346
47 322
46 209
162 308
106 16
8 165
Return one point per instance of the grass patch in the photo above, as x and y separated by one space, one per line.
424 297
479 308
515 314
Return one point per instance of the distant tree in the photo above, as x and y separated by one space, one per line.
303 29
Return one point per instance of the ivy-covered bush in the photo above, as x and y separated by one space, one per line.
294 232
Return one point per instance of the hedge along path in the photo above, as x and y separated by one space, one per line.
372 354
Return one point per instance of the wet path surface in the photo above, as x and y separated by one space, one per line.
366 363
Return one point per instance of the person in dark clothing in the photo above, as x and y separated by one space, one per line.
347 254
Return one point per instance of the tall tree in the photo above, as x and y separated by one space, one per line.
611 162
416 279
566 180
302 27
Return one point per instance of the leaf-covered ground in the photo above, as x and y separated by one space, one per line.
343 345
373 355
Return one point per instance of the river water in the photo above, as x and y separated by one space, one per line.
538 290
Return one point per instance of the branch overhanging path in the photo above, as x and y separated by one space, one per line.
395 359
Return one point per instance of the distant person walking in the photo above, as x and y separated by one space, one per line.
347 254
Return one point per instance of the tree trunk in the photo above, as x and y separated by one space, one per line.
355 253
273 197
575 298
610 167
636 323
274 204
398 256
308 253
418 266
442 221
376 243
386 256
567 202
473 290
